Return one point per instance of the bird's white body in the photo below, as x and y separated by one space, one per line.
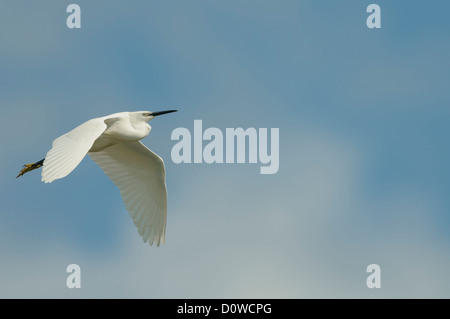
113 142
124 126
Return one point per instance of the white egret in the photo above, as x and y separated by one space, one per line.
113 142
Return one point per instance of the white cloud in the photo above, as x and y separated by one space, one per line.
291 237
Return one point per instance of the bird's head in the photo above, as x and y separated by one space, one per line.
147 115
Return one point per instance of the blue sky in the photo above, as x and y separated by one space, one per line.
363 118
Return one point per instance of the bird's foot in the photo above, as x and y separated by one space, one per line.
29 167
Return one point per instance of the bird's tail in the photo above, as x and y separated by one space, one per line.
29 167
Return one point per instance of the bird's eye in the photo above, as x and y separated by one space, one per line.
146 114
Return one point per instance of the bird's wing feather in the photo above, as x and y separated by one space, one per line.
69 149
140 176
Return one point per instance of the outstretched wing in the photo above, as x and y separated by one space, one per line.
69 149
140 176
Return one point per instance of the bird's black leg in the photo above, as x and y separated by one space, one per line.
29 167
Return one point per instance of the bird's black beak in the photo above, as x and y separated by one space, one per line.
162 112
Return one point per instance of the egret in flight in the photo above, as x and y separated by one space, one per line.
113 142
